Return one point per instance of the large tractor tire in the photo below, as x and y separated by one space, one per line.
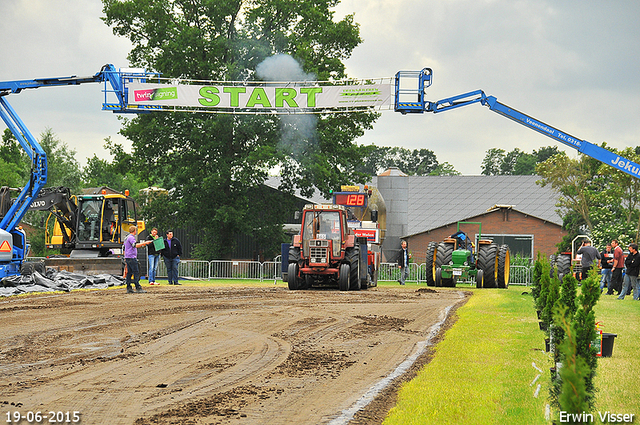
563 265
552 263
345 277
444 255
292 277
504 266
353 256
430 263
488 263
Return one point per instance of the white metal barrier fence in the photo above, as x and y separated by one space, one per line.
225 269
271 270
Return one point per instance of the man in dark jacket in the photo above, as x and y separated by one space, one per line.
403 262
632 263
589 255
171 256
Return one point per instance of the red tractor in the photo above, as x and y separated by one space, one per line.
327 252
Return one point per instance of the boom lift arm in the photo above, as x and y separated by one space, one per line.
13 248
424 78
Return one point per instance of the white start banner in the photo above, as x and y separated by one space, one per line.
288 98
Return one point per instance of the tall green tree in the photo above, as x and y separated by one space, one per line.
63 168
444 169
492 162
212 160
594 197
575 181
115 174
516 162
417 162
14 162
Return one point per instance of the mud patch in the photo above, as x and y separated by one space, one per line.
301 363
215 409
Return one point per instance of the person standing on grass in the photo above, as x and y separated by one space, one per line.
131 259
589 255
403 263
632 262
606 264
618 266
171 256
153 256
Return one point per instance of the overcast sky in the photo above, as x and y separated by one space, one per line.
574 65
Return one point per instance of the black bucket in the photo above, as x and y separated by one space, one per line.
607 344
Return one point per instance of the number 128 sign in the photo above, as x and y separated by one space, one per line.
350 199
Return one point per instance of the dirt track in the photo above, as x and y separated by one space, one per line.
209 355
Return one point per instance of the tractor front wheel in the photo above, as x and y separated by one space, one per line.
479 279
504 266
430 263
438 277
292 277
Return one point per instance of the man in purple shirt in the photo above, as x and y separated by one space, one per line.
131 259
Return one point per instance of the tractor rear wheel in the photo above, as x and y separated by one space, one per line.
430 264
292 277
444 255
488 263
504 266
563 265
353 256
344 278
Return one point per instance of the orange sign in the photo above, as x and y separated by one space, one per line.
5 247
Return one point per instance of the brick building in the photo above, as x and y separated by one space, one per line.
524 233
511 209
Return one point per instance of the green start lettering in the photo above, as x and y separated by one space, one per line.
234 100
209 96
311 95
286 95
258 96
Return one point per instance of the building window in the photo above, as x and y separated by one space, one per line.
518 244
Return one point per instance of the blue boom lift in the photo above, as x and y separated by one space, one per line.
412 100
13 243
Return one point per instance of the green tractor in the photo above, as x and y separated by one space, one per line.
454 260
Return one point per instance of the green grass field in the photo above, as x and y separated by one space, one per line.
483 371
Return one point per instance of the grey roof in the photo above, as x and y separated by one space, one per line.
435 201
